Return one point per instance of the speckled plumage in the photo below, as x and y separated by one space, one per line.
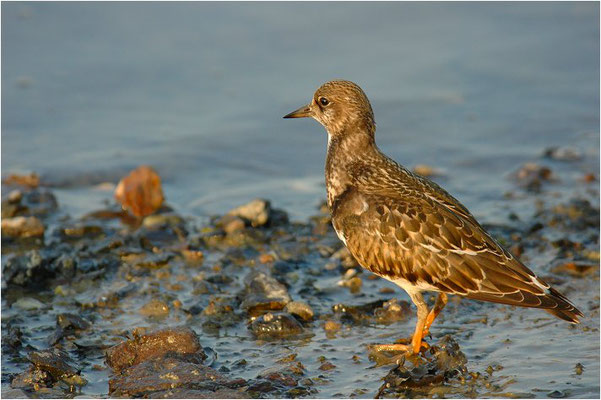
408 229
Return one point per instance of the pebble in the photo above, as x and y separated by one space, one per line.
28 304
22 227
332 326
257 212
263 293
231 224
300 309
275 326
155 309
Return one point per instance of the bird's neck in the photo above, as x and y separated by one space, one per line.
348 150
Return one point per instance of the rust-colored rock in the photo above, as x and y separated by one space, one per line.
31 180
180 340
140 192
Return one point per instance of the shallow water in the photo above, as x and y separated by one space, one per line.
198 90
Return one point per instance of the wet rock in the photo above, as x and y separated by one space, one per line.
255 212
443 362
82 230
11 338
346 258
67 324
142 347
32 379
577 269
158 377
30 269
11 204
258 213
577 215
231 224
332 326
275 326
140 192
71 321
193 257
22 227
391 311
300 309
155 309
161 220
58 364
351 281
30 180
28 304
263 293
357 314
563 153
531 176
326 366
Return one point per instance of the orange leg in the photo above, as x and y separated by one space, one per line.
418 335
441 301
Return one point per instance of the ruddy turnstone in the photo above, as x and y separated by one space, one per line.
406 228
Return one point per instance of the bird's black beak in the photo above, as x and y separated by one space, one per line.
303 112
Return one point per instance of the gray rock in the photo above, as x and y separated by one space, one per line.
257 212
263 293
300 309
279 325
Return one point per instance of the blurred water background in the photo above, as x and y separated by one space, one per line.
197 90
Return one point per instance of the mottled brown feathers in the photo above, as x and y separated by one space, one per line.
406 228
403 226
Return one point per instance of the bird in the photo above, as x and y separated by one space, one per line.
407 229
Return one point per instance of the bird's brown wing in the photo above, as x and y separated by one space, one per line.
419 240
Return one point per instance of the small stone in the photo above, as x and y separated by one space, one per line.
332 326
71 321
563 153
22 227
193 257
300 309
28 304
275 326
155 308
577 269
326 366
231 224
263 293
140 192
426 170
256 212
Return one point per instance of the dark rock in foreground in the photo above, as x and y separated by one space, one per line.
443 362
49 367
180 340
174 377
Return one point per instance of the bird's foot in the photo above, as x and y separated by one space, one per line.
395 353
401 346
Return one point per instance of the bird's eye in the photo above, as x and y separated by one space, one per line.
324 101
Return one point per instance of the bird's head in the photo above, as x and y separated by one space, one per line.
339 105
